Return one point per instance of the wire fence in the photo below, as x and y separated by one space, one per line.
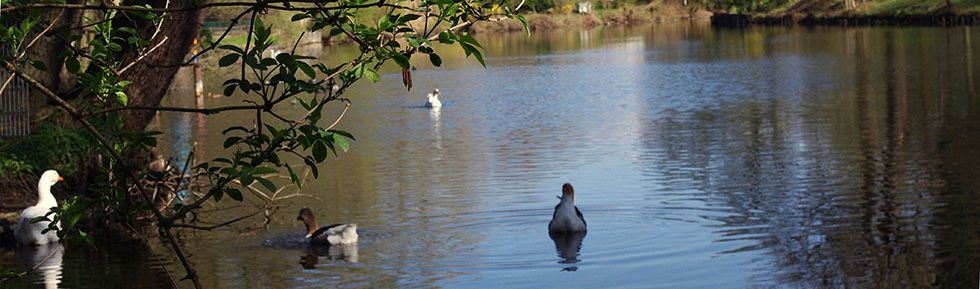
15 108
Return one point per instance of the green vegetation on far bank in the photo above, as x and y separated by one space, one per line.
848 7
654 12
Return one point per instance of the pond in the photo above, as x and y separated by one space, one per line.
701 157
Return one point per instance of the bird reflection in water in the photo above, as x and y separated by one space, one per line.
346 252
45 261
568 245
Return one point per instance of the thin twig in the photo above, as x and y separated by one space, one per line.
209 228
140 58
342 113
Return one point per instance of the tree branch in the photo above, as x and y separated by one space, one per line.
110 147
212 227
264 5
204 111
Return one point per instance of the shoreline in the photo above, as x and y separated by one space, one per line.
625 16
942 20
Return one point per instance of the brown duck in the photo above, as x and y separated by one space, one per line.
335 234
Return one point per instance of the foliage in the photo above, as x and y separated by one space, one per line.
12 167
748 6
49 146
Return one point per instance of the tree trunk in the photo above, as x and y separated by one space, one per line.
152 76
49 49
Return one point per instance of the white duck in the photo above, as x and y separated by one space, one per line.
336 234
433 100
28 233
567 218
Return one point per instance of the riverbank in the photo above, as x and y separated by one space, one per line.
632 15
886 12
723 19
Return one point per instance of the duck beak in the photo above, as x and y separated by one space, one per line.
60 179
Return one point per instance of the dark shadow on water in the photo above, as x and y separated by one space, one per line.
568 246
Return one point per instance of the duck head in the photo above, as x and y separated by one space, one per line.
49 178
567 193
308 219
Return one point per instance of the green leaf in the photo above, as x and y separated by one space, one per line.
263 170
229 90
247 179
371 75
267 184
401 59
341 142
384 23
86 238
343 133
232 141
229 59
309 162
234 128
72 65
129 30
408 17
470 50
233 193
306 69
232 48
39 65
469 39
435 59
244 85
40 218
122 98
293 177
523 21
319 151
299 16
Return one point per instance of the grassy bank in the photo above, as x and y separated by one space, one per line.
874 12
629 15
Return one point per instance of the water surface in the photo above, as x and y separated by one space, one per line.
701 158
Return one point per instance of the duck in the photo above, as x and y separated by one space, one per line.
158 167
567 218
433 100
336 234
28 233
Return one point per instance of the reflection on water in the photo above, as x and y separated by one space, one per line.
45 262
568 246
344 252
758 157
788 157
114 264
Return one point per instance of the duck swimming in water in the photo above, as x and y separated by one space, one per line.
567 218
28 233
336 234
433 99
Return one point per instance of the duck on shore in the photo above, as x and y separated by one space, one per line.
567 218
336 234
28 233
